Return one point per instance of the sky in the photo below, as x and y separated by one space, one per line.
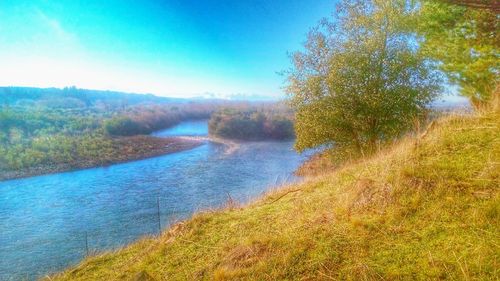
180 48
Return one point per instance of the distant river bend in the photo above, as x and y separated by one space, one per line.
46 222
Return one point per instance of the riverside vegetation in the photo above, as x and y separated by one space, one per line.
51 130
253 123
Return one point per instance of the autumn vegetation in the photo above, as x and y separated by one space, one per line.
252 123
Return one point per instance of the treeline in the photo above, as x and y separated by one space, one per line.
72 97
17 124
57 149
147 119
252 124
31 137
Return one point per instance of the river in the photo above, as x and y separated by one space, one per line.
49 222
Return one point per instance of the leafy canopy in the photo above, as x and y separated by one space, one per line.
361 79
466 41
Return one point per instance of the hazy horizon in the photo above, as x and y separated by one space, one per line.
167 48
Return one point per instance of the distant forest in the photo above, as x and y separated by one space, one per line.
72 97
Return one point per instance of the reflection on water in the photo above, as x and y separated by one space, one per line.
46 220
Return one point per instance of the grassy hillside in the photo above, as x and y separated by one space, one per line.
427 208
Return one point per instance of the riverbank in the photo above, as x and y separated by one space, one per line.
125 149
396 215
231 145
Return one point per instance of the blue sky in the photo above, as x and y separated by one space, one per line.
170 47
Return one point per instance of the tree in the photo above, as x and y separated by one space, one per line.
465 39
361 79
493 5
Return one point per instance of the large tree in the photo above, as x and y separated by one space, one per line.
464 37
361 79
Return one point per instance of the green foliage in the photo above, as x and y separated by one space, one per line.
251 124
146 119
52 150
466 41
72 97
278 127
124 126
361 79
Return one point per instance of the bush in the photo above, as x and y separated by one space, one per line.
124 126
250 125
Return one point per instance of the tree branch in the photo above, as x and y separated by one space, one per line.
493 5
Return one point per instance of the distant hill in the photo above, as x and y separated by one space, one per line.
75 97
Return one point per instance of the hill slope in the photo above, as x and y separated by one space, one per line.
65 97
427 208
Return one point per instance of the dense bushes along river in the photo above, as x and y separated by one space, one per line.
251 124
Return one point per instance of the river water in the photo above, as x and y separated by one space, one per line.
50 222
